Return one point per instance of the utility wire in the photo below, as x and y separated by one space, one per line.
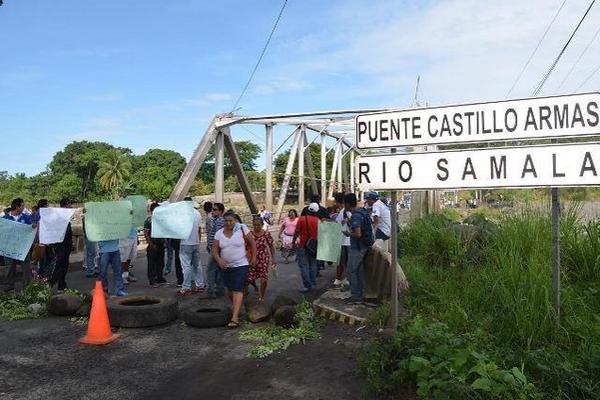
578 59
535 50
539 87
264 50
588 78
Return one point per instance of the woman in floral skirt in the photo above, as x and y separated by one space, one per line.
265 256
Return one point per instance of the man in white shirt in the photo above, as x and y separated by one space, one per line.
342 218
189 255
382 221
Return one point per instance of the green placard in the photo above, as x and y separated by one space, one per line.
139 209
15 239
329 240
108 220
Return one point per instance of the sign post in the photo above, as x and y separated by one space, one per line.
533 166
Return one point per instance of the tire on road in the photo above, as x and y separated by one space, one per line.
206 316
141 311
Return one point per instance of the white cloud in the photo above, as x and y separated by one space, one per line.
464 50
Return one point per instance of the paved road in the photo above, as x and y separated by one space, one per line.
40 359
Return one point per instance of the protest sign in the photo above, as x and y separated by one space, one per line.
329 241
15 239
139 209
109 220
173 221
53 224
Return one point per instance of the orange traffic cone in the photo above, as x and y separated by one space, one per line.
98 331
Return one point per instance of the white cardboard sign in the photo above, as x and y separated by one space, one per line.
533 118
508 167
53 224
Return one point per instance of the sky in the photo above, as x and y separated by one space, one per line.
151 74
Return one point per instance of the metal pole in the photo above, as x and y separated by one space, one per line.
301 167
556 254
394 249
334 167
269 167
352 171
323 168
340 176
219 168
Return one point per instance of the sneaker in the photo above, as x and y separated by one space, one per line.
184 292
345 282
304 290
337 284
122 293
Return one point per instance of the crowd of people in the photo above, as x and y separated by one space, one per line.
239 257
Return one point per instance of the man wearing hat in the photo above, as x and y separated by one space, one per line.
382 221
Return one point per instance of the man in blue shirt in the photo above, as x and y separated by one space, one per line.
359 246
16 214
214 273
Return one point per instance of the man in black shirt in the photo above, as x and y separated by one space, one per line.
62 251
321 214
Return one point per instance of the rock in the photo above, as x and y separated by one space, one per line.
284 316
257 310
64 304
83 311
35 308
282 301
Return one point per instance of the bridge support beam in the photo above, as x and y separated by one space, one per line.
239 172
220 166
288 172
310 167
301 199
269 167
323 168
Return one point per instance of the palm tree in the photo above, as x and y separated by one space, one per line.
114 170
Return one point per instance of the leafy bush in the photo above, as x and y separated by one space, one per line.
274 338
441 365
15 306
507 300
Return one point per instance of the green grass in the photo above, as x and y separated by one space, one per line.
495 294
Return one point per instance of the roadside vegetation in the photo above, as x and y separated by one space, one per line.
271 339
482 324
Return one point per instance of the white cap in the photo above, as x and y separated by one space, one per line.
313 207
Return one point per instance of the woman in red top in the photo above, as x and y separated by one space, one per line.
265 256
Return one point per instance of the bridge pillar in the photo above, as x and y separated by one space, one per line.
269 167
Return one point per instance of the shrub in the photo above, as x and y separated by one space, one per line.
441 365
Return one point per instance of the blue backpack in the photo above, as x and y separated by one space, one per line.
368 237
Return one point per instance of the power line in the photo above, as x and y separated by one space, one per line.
588 78
538 89
535 50
578 59
264 50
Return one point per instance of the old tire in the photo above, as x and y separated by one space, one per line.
206 316
141 311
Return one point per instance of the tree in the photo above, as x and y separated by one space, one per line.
82 159
114 170
156 172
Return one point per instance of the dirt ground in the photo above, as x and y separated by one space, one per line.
41 359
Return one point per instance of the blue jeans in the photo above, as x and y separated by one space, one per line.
189 255
214 275
90 256
356 271
114 259
308 268
170 250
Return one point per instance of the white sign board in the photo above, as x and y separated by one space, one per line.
534 118
509 167
53 224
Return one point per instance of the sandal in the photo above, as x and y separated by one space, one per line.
233 324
